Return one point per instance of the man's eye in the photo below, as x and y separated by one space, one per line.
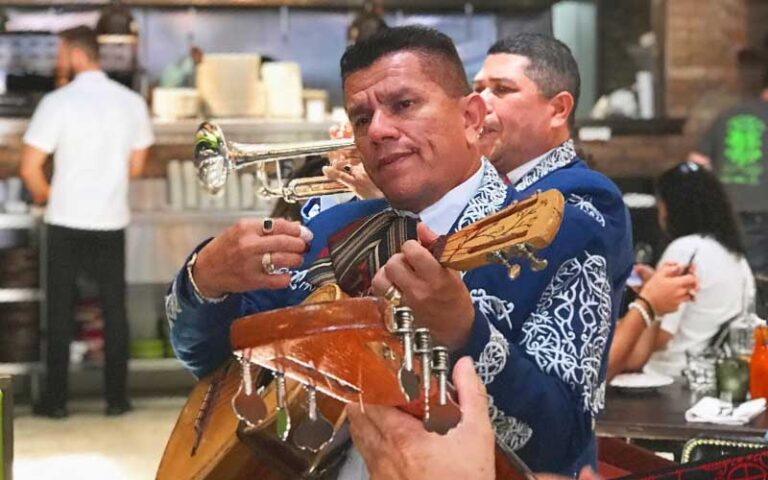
502 89
361 121
403 104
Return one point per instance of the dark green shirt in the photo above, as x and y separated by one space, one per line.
737 143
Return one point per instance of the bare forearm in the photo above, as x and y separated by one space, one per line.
137 161
644 348
627 332
36 182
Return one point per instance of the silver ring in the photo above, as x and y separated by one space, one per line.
393 295
266 264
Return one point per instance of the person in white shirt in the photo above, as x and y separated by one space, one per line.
696 214
99 133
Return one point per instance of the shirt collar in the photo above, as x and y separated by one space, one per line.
441 215
91 75
517 173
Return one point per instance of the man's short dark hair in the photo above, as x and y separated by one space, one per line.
84 38
552 66
434 48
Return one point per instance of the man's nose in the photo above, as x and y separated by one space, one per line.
487 97
382 127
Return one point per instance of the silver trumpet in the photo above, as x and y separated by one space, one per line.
215 158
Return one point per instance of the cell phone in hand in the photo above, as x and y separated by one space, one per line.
690 263
634 280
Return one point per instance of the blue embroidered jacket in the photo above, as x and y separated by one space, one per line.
540 343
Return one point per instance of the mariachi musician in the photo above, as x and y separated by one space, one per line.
539 344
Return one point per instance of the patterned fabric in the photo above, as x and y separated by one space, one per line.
753 466
358 251
568 333
488 199
509 430
493 359
584 203
556 159
493 306
172 308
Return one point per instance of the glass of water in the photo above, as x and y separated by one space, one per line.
701 372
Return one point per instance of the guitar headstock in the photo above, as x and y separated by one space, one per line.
506 237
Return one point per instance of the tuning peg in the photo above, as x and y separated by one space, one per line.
445 415
424 350
315 431
526 251
440 367
282 417
537 264
409 381
513 269
248 404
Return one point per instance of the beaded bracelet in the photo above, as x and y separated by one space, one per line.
200 297
642 311
648 305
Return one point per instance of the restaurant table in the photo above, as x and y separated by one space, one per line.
660 415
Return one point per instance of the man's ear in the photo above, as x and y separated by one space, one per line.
562 105
474 116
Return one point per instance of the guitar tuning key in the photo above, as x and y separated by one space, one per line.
282 417
440 367
247 403
409 381
446 414
513 269
537 264
423 349
315 431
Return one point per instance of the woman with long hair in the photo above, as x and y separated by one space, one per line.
676 312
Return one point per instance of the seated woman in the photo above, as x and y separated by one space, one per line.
696 214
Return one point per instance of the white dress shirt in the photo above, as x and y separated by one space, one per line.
92 125
517 173
439 217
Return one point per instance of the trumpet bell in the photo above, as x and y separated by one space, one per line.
211 157
214 159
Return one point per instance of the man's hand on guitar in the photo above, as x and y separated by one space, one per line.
241 258
347 167
396 445
438 296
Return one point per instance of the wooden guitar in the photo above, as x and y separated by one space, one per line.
331 350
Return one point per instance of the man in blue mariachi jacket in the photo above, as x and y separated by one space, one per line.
539 343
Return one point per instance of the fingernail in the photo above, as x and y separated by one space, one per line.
305 234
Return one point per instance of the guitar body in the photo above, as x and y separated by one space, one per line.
228 449
345 349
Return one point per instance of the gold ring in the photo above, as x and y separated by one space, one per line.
267 226
394 295
266 263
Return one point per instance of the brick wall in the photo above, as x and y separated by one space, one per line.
702 40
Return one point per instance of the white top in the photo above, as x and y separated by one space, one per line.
92 125
517 173
726 286
439 217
